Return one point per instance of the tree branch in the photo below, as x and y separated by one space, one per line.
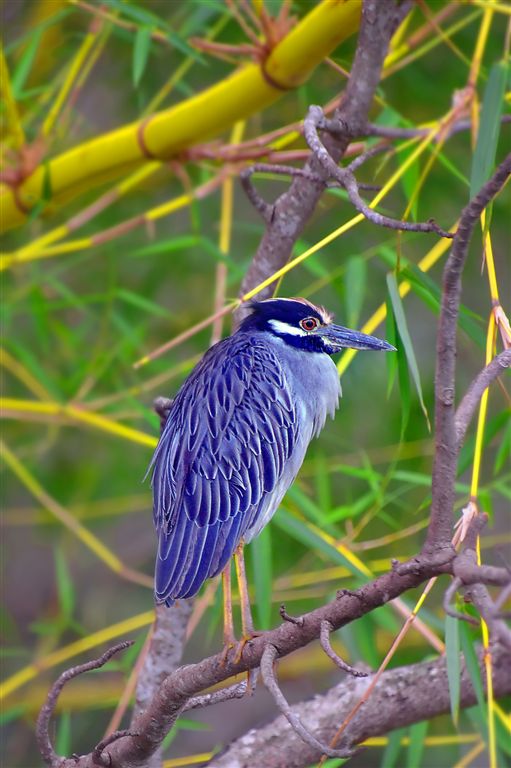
446 447
48 754
402 696
470 401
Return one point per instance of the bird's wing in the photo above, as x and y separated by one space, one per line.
225 445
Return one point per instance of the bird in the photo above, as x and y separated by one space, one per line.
235 438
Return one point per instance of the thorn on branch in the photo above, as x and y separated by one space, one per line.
345 178
324 639
48 754
285 616
269 678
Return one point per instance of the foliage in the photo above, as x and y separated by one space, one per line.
131 253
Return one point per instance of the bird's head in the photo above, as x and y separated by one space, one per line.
301 324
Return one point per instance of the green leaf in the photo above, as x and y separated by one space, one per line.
24 67
392 749
298 530
141 49
410 179
64 585
489 127
391 336
355 285
452 651
63 740
503 450
262 575
472 664
141 303
404 334
417 734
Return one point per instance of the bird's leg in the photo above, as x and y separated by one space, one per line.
229 637
247 624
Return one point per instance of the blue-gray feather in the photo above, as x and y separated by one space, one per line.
224 448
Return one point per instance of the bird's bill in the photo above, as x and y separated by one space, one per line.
341 338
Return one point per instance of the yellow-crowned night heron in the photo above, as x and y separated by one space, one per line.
236 436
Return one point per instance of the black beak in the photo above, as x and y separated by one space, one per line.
338 338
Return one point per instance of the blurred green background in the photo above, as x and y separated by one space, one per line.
74 324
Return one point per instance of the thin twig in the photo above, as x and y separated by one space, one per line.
43 721
285 616
346 179
324 639
236 691
470 401
268 674
450 592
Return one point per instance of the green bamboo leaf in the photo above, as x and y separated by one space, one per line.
417 734
404 335
393 748
452 651
65 587
355 286
141 49
391 336
142 303
24 67
489 127
472 665
63 739
410 179
297 529
262 575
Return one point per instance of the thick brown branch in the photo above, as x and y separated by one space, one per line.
402 696
444 465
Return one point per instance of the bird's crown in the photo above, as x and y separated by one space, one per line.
289 317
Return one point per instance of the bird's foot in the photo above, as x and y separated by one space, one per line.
240 646
229 645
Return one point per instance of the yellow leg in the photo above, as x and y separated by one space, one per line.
247 624
229 637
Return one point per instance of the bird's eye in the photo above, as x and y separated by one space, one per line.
309 323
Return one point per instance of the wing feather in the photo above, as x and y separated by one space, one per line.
223 451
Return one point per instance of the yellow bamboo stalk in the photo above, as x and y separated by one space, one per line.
75 68
10 406
12 365
13 127
249 89
87 538
83 645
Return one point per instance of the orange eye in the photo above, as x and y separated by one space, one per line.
309 323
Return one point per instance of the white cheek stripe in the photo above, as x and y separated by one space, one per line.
291 330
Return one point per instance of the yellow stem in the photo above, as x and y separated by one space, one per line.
74 70
13 127
10 406
83 534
